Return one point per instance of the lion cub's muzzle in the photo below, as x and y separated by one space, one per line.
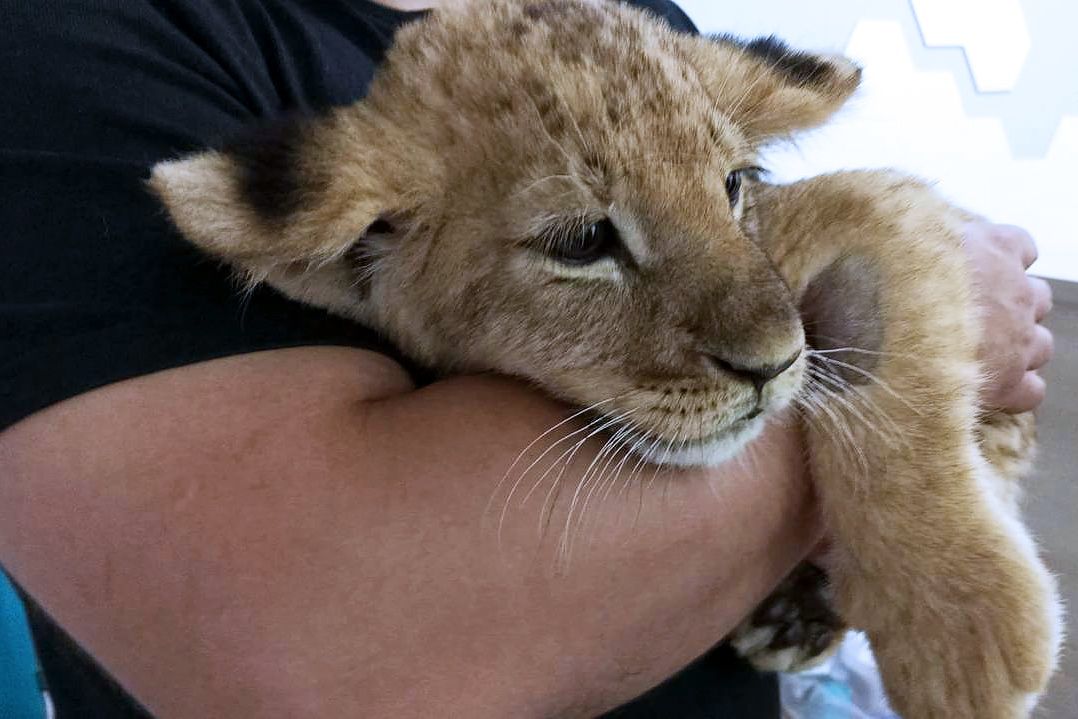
707 420
743 362
759 375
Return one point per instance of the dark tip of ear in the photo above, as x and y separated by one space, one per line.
800 68
381 226
270 161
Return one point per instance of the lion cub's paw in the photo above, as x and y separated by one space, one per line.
794 628
981 654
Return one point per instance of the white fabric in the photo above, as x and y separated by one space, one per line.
847 686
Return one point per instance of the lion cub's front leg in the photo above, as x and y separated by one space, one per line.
931 560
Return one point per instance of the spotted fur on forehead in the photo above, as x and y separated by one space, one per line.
584 69
539 10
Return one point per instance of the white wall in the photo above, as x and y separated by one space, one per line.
992 124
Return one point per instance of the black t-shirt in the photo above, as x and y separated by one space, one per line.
96 287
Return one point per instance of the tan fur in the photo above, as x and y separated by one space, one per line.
492 121
982 626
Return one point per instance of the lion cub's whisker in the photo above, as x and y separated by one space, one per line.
872 378
539 438
836 392
603 421
596 488
845 403
629 437
857 350
594 467
845 435
565 460
606 423
850 390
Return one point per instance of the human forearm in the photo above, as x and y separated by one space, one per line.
277 547
646 589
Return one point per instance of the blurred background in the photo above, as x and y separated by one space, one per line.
981 96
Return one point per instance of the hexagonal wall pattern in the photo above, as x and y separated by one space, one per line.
992 33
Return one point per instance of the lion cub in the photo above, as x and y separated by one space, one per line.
573 200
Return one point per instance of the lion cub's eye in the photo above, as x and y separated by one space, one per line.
586 244
736 178
733 186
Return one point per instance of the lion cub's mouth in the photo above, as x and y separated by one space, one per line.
698 425
709 450
713 450
694 440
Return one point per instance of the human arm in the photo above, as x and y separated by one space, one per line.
297 532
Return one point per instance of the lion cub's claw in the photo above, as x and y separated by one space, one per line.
793 629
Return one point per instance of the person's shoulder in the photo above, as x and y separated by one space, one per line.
124 79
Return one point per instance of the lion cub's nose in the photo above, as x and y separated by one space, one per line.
759 375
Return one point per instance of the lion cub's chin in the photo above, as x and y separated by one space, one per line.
709 452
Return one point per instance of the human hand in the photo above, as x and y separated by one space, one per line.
1014 345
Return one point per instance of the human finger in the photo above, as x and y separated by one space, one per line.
1042 298
1026 396
1019 240
1042 348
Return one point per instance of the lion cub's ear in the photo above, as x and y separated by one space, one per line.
771 90
287 199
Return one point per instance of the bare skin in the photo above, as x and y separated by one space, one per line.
298 532
1021 347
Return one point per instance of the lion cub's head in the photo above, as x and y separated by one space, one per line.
552 189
